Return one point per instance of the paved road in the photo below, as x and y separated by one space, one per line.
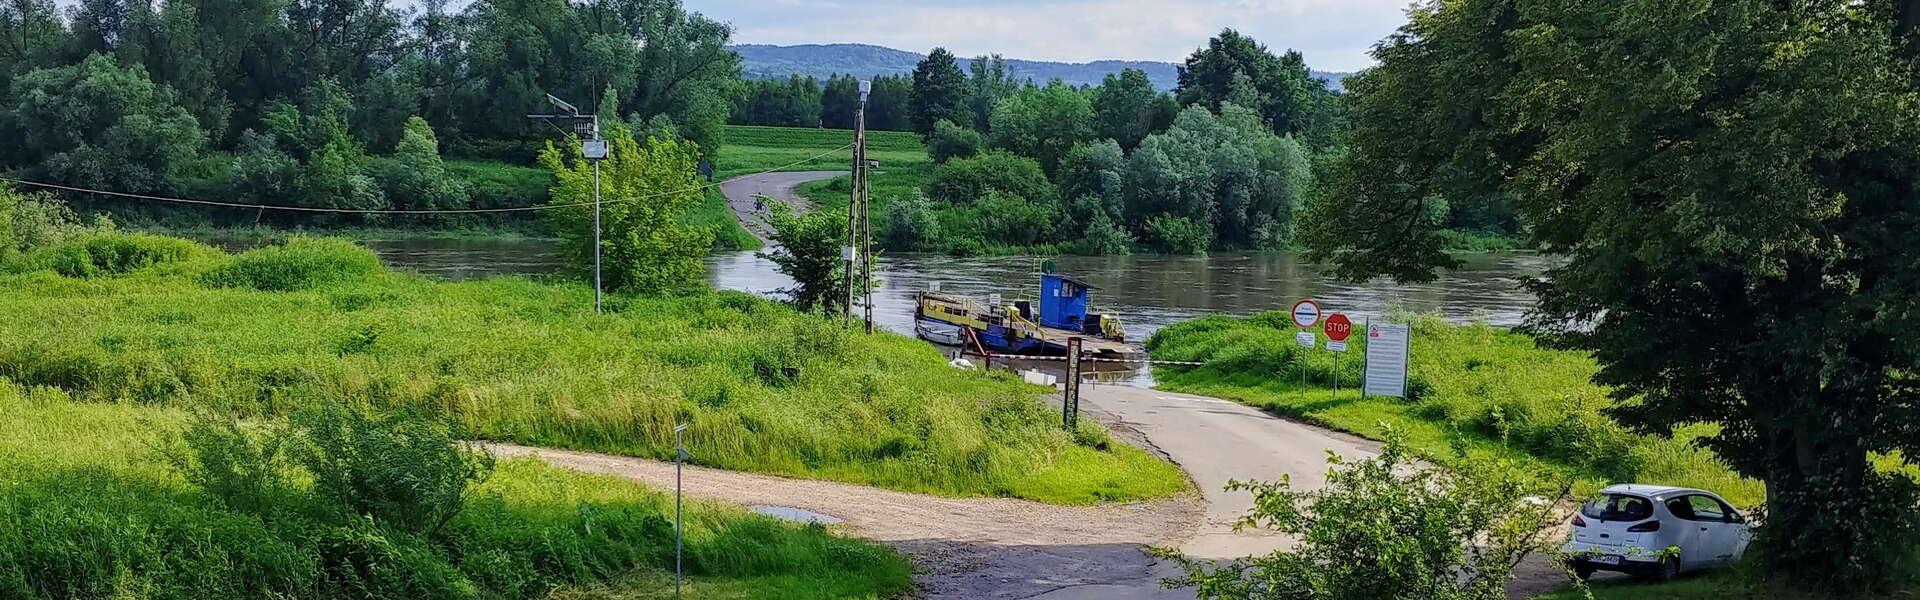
741 192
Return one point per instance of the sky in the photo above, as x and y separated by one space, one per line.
1335 35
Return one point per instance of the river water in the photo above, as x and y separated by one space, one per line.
1147 292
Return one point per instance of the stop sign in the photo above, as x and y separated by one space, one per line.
1338 327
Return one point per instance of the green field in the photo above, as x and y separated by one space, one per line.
752 149
765 388
91 508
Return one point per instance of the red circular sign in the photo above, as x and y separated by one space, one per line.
1338 327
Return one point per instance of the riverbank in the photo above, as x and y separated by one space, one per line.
765 388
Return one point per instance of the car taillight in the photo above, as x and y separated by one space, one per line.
1645 527
1579 522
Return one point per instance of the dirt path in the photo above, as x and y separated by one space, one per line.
741 192
992 548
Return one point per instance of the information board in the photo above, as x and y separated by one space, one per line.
1387 352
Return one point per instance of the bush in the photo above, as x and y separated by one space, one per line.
963 181
109 254
1388 527
1008 219
950 141
29 221
298 264
1104 237
910 225
402 469
1178 235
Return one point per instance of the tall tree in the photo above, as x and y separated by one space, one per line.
1123 108
1043 123
989 83
890 107
31 37
1743 171
839 98
648 249
939 92
100 125
1235 68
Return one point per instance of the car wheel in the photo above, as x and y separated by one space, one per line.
1584 572
1669 568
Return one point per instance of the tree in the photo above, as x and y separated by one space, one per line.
839 99
809 253
1235 69
1389 526
1093 180
31 37
99 125
794 102
889 107
645 190
421 181
910 226
939 92
989 84
1043 123
1694 175
950 141
1225 172
1123 108
965 180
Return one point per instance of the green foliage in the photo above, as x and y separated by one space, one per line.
821 140
965 181
1233 68
109 254
1742 168
34 220
415 177
1126 108
1177 235
939 92
1226 173
500 185
949 141
404 470
808 252
1496 390
1104 237
910 225
795 102
98 124
766 388
645 192
1389 526
93 513
1043 123
1004 218
299 263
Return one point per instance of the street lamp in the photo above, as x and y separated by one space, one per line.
587 127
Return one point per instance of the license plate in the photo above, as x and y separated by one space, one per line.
1604 559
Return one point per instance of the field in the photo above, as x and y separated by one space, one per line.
765 388
751 149
91 508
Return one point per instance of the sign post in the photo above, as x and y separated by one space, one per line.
1387 351
1338 328
1070 396
1306 314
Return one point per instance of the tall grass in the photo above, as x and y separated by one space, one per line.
764 387
90 509
1474 388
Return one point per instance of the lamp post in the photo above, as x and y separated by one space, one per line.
594 149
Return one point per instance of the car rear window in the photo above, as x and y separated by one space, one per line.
1618 507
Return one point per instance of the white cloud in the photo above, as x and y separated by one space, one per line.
1334 34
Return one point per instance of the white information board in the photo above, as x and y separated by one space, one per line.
1305 339
1387 347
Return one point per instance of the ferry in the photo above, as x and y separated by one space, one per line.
1016 328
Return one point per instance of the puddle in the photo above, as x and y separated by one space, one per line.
797 515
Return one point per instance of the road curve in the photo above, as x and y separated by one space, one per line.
742 191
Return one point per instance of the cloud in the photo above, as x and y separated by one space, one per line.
1334 34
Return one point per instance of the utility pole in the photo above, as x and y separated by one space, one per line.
866 211
587 128
679 531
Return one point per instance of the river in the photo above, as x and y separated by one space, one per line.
1147 292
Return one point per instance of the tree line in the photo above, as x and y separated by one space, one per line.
336 103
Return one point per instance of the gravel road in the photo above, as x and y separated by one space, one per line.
741 191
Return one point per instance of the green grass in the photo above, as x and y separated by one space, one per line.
1486 390
90 508
766 388
752 149
713 213
812 137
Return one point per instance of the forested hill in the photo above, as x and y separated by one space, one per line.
763 61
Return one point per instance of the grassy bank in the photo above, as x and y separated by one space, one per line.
752 148
90 508
765 388
1478 388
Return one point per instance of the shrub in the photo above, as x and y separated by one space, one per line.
963 181
402 469
1178 235
34 221
1104 237
109 254
414 177
298 264
1388 527
1005 218
910 225
950 141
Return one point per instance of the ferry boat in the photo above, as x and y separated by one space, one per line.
1016 328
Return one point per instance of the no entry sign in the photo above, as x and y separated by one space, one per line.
1306 314
1338 327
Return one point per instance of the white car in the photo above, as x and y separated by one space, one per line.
1655 531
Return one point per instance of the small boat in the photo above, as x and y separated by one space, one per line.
1016 328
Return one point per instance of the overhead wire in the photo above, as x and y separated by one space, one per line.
377 211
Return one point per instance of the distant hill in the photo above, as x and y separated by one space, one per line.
762 61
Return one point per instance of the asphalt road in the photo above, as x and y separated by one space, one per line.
742 191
